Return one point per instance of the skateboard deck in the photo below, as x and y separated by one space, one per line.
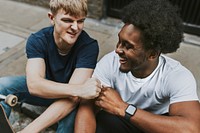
5 126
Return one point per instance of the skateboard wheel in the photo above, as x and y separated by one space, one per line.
11 100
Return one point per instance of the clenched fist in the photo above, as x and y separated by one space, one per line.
90 89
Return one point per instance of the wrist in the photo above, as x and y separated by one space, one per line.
130 111
122 109
74 90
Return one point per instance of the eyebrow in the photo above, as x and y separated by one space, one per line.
73 19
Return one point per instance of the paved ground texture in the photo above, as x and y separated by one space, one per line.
18 20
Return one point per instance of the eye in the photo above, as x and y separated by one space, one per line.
80 21
126 45
67 20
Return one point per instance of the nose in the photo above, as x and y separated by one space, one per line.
74 25
119 49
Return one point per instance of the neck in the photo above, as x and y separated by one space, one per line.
63 53
63 48
146 70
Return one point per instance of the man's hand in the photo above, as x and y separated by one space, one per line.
110 101
91 89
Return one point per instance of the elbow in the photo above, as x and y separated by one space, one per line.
75 101
31 88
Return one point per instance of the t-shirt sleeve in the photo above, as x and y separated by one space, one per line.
35 47
87 56
182 87
104 69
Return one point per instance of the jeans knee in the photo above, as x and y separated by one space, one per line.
12 84
4 82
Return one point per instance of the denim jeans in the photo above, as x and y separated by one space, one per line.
17 85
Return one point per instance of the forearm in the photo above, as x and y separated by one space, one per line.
50 89
151 123
85 87
38 85
85 121
51 115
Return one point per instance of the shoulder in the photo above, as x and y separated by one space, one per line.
47 31
174 68
39 42
179 82
110 61
42 36
106 68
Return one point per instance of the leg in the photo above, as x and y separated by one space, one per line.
66 125
17 85
108 123
11 85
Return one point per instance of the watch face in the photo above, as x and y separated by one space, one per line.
131 109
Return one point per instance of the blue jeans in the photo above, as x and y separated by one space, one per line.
17 85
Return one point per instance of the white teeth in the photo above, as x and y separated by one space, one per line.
123 59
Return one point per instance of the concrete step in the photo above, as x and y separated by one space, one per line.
24 114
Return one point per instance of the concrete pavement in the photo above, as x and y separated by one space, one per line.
19 20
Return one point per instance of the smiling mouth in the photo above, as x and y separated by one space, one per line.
122 60
72 34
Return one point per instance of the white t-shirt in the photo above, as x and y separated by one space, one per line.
169 83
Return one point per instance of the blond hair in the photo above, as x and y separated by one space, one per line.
73 7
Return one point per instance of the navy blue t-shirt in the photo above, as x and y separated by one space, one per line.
60 68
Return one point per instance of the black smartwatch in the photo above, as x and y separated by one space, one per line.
130 111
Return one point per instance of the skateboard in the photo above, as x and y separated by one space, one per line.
5 126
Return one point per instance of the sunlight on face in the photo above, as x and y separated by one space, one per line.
67 28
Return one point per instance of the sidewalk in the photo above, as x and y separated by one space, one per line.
19 20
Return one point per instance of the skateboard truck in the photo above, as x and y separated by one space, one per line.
10 99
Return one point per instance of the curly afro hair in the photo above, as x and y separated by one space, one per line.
159 22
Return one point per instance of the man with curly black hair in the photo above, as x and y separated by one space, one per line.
142 89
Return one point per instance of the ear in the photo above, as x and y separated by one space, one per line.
51 17
153 54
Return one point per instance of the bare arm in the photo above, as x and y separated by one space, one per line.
61 107
85 121
39 86
184 117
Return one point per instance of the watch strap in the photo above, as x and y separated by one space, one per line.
127 116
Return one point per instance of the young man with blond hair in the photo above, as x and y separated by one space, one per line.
61 59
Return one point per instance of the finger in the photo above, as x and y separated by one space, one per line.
97 94
103 89
98 81
97 102
99 98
